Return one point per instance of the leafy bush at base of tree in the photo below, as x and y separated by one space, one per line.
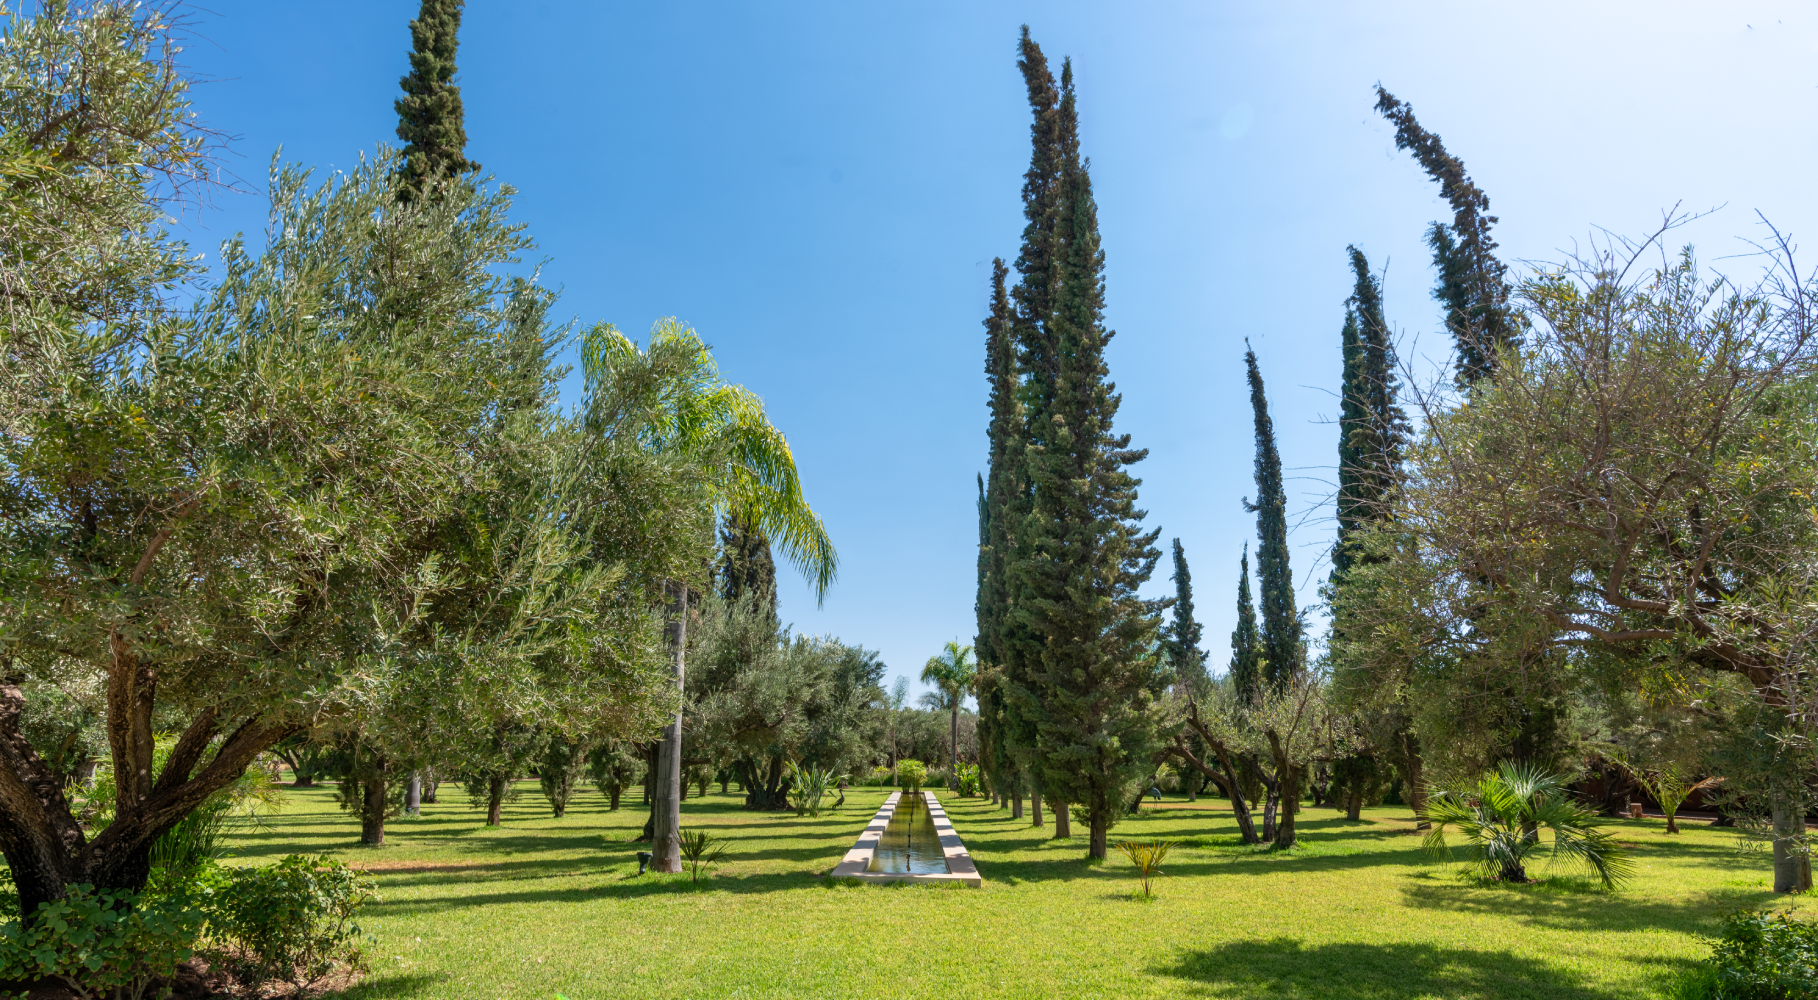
107 944
291 922
1759 956
968 780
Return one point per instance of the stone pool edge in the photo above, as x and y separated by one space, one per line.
959 863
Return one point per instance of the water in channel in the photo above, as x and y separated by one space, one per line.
909 844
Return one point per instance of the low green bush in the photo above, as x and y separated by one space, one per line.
291 922
911 774
1759 956
111 943
968 780
9 895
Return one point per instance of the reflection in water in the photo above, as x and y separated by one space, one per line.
909 844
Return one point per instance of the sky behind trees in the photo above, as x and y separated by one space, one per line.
819 189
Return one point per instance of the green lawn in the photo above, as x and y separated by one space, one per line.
542 906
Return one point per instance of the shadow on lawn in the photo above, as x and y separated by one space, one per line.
1560 906
620 884
384 987
1286 969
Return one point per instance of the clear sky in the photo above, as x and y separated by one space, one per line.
819 188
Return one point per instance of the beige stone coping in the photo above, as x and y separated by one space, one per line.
959 863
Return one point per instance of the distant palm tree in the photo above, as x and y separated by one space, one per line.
1501 819
952 673
667 401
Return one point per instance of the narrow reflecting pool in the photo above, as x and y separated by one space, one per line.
909 844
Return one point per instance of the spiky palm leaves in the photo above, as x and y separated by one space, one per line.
1502 818
668 399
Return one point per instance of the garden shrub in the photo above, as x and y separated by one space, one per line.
1760 956
910 774
290 922
112 943
968 780
9 895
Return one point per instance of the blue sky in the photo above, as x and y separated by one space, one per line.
819 188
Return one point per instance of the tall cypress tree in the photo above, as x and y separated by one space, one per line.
997 491
1033 357
430 119
1472 287
1372 429
1283 651
1245 669
1092 675
1187 660
747 568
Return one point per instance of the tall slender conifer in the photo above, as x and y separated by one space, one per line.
1245 669
1089 672
1472 286
1284 652
1185 657
430 118
998 490
1372 429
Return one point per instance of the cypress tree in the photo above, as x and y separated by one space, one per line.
996 492
1472 286
1372 429
430 120
1282 649
1182 639
1245 669
746 567
1092 683
1032 356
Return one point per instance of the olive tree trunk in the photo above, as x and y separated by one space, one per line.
1792 866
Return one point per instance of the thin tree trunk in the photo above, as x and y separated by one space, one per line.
1016 803
666 842
1063 820
953 765
372 807
1290 804
614 797
413 794
496 785
1100 827
1792 867
1035 807
1416 784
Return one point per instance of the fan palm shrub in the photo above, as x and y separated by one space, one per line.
698 848
1502 819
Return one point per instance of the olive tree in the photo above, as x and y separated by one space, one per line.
1630 494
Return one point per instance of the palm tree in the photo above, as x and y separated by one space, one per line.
952 673
1501 819
667 402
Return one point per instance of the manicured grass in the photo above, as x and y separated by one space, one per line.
542 906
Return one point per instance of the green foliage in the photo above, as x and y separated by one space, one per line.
1245 668
1282 642
9 895
808 786
614 768
1181 639
910 774
968 783
292 922
1501 818
1759 956
1147 856
431 120
110 943
563 762
701 848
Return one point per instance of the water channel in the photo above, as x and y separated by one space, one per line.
909 844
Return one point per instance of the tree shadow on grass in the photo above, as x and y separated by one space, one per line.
395 987
1579 905
1286 969
621 884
